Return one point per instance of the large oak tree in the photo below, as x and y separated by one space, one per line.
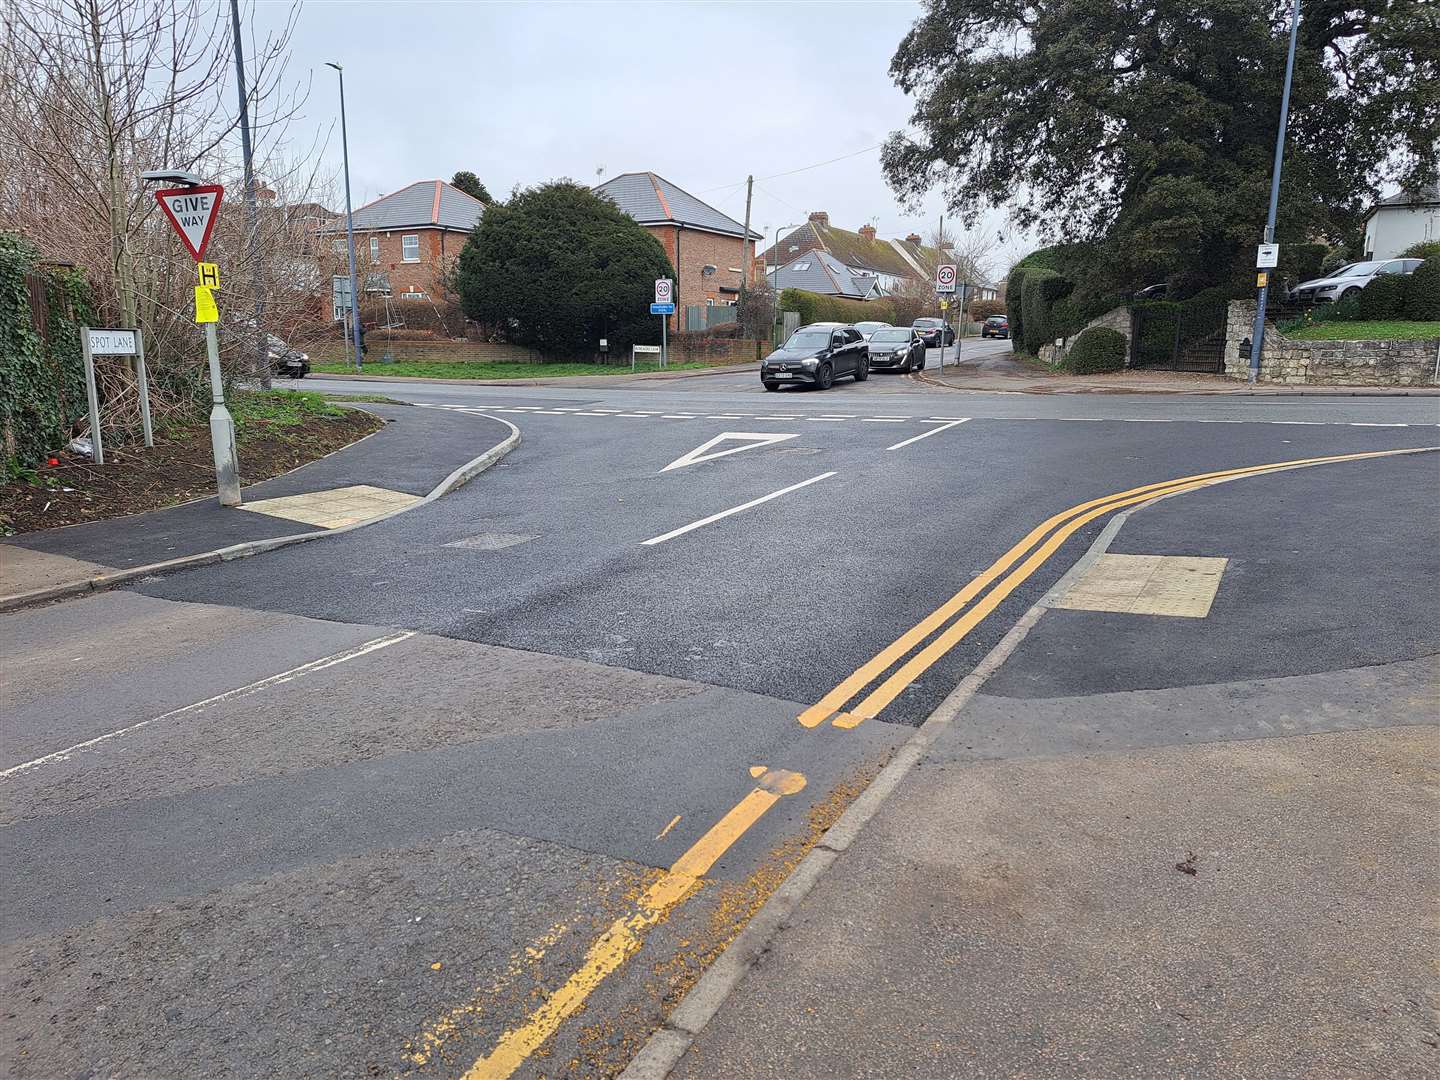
1147 127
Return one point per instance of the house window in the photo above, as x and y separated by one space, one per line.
410 248
374 249
709 301
411 294
802 266
338 245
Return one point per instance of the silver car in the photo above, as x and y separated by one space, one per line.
1349 280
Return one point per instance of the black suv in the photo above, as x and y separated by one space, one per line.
816 355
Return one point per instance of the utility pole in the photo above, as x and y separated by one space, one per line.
349 223
745 241
1257 335
940 239
252 215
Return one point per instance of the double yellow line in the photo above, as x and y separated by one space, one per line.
1045 539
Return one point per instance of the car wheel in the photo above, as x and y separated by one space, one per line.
1348 293
862 372
770 384
825 377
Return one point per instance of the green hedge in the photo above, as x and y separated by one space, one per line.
1422 297
1041 291
42 382
1097 349
817 307
1384 297
1425 249
1014 294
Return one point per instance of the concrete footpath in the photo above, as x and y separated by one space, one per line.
418 455
1187 828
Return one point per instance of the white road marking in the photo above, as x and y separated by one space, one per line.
726 416
933 431
828 419
734 510
881 420
229 695
1373 425
750 440
676 416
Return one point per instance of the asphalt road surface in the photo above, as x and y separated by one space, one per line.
484 787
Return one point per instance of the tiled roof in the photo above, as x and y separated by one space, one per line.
852 249
816 271
1424 197
653 200
424 204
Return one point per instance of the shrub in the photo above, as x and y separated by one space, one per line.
980 310
1301 262
1014 290
1425 249
1346 310
1097 349
1040 293
1383 298
1422 300
817 307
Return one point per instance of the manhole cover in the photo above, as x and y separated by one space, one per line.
490 541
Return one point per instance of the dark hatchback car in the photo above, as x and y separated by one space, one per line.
897 348
936 332
996 326
817 355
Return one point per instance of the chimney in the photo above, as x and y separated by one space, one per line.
820 217
867 233
913 238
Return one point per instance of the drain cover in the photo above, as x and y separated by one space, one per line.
490 541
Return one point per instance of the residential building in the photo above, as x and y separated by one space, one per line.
820 272
409 240
1397 222
706 247
895 264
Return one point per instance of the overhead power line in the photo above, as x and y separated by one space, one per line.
803 168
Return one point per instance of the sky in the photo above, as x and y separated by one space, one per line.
700 93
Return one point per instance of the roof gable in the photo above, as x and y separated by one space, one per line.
819 272
653 200
896 258
423 204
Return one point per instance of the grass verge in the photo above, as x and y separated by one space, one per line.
1390 330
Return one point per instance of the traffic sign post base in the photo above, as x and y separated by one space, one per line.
222 428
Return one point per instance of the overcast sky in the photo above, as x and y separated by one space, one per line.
700 93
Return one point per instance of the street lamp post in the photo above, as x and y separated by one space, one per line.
774 288
349 223
1257 336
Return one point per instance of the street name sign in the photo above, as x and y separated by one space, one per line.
945 278
192 211
662 309
664 293
105 342
648 350
1267 256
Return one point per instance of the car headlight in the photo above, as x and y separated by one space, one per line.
1327 290
810 364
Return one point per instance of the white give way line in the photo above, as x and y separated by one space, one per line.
735 510
229 695
932 431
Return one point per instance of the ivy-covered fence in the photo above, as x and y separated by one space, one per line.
42 375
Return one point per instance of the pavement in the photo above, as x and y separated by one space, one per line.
386 472
488 787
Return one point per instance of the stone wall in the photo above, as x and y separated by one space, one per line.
1114 319
1325 363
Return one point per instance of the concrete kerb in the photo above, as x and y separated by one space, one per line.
457 478
1238 391
555 380
669 1043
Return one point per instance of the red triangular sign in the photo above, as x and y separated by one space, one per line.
192 211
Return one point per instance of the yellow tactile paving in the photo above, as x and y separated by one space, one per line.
335 507
1177 585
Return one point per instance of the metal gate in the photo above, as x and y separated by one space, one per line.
1185 336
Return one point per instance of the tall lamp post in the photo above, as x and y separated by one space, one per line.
776 279
349 223
1257 336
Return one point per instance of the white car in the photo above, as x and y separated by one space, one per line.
1349 280
868 328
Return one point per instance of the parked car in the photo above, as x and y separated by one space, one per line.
996 326
286 359
868 328
816 355
936 332
897 348
1349 280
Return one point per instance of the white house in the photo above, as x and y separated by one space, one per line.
1397 222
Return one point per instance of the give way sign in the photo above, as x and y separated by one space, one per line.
192 211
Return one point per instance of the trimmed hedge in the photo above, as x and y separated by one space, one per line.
1097 349
817 307
1422 297
1384 297
980 310
1014 294
1042 290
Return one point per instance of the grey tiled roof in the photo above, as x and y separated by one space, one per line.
425 203
819 272
1423 197
653 200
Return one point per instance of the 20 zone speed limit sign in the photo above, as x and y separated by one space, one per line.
945 278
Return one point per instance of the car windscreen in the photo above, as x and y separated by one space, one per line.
926 324
888 335
1357 269
808 339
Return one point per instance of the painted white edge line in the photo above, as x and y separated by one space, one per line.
933 431
229 695
734 510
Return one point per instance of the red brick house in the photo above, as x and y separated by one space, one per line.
409 238
707 248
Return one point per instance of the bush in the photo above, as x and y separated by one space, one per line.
1097 349
1422 298
1346 310
1426 249
1301 262
980 310
1042 290
1384 297
1014 291
817 307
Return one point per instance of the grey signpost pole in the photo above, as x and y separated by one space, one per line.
222 427
92 397
144 387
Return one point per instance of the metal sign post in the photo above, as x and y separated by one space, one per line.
944 284
664 306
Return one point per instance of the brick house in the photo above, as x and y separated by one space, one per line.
410 238
706 247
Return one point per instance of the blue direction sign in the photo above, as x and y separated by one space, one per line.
662 309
